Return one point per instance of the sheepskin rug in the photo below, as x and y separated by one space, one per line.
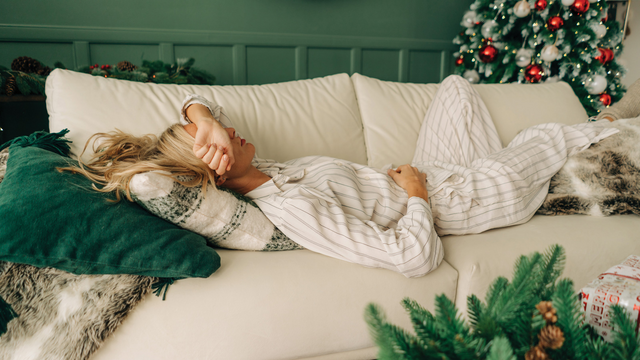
602 180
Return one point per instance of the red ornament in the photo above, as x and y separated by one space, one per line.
488 53
533 73
541 5
555 23
605 99
606 55
459 61
580 6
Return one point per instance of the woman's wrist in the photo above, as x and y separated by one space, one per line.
418 191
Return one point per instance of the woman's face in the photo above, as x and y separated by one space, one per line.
243 152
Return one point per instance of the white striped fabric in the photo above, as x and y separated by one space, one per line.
358 214
473 184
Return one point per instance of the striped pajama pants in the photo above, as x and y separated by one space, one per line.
474 184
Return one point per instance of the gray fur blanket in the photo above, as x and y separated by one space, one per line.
63 316
602 180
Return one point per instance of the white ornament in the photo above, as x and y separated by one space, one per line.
596 84
522 9
472 76
469 19
464 48
593 1
549 53
523 57
488 28
600 30
552 79
568 2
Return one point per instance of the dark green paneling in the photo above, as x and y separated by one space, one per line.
22 117
47 53
267 65
218 60
114 53
323 62
424 66
420 19
381 64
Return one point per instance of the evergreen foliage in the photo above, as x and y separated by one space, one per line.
576 36
506 326
182 72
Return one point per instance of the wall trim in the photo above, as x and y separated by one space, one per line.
55 33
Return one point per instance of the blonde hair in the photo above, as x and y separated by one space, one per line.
119 156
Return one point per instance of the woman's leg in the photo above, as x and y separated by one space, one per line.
457 128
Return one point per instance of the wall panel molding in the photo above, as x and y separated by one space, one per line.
42 33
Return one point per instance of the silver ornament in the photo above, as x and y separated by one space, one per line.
488 28
549 53
469 19
568 2
523 57
600 30
521 9
596 84
593 1
536 27
472 76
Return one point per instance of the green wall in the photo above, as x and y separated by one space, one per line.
242 41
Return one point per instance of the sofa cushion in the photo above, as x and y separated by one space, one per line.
592 245
277 305
392 112
284 121
226 219
48 218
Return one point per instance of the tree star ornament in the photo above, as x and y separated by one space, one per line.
541 5
472 76
488 53
533 73
521 9
596 84
549 53
555 23
580 6
523 57
605 99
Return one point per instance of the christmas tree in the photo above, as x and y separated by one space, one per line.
544 40
535 316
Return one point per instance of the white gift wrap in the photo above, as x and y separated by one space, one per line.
619 285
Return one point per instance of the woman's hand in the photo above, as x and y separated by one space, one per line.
410 179
213 144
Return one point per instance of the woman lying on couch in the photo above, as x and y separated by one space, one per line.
460 181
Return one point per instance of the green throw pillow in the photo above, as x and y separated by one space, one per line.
48 218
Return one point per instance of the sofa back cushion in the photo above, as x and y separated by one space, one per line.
392 112
284 121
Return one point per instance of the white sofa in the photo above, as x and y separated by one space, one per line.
299 304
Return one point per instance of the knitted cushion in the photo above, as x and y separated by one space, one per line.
226 219
48 218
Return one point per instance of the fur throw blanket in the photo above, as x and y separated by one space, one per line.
62 315
602 180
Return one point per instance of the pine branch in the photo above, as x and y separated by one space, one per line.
554 261
567 305
501 350
626 344
374 316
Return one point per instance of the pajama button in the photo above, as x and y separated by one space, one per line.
367 178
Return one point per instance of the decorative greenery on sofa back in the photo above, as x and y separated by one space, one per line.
533 317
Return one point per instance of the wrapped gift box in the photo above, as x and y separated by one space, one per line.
620 285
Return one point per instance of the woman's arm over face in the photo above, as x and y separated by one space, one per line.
212 144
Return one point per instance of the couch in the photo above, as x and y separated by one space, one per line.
303 305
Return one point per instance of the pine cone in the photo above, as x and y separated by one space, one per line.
126 66
547 311
26 64
551 337
44 71
536 353
11 87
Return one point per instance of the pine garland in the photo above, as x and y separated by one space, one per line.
533 317
182 72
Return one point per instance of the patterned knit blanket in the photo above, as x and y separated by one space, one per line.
602 180
61 315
